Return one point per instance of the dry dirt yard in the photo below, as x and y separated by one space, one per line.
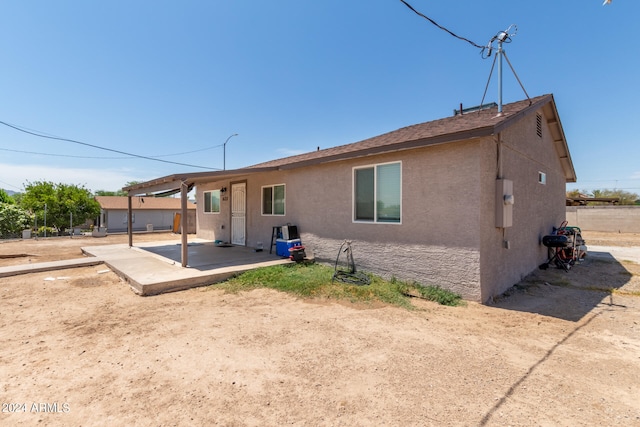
82 349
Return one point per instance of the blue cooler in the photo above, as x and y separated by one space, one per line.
283 246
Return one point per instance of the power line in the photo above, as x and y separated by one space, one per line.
188 152
102 157
611 180
46 134
441 27
10 185
65 155
101 148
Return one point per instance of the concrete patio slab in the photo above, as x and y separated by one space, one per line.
37 267
155 267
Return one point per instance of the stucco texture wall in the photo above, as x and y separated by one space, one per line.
214 226
447 236
536 210
438 240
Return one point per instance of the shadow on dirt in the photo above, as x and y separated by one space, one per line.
571 295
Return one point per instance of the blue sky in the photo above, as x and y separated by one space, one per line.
157 78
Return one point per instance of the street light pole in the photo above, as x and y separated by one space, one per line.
224 152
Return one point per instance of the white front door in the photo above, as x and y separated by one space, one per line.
238 213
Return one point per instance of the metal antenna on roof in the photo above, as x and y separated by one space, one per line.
502 37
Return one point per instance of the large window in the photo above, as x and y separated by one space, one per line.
273 200
212 201
377 193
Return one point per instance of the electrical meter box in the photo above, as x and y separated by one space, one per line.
504 203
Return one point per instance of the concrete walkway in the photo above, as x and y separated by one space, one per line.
620 253
14 270
154 268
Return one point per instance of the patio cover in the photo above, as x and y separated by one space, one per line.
179 183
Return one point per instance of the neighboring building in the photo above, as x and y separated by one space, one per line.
149 213
462 202
583 200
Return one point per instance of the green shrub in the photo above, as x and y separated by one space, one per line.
13 220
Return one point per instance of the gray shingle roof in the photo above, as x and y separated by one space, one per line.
450 129
469 125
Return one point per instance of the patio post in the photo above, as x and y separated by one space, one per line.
184 188
129 220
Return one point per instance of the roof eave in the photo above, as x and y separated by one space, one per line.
548 105
560 141
173 182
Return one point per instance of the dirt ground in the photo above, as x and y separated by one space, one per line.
79 348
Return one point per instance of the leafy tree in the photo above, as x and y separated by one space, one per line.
118 192
13 220
62 201
17 198
110 193
625 197
5 198
574 194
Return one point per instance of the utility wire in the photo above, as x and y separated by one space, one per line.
441 27
188 152
102 157
43 134
101 148
65 155
10 185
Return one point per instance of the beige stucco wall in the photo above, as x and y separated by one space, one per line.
537 208
447 236
438 240
616 219
437 243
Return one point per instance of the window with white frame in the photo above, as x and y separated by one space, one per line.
212 201
273 199
542 178
377 193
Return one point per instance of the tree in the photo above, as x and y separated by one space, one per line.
17 198
13 220
624 197
118 192
5 198
63 202
110 193
574 194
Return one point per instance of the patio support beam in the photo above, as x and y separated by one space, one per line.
130 221
184 189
